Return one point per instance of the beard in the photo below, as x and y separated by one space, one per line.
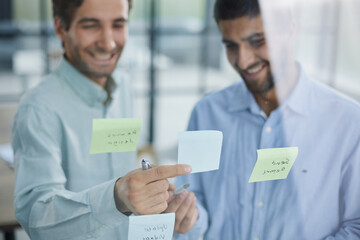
254 86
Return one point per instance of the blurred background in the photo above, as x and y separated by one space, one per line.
173 57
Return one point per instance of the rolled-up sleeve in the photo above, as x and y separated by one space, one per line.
43 206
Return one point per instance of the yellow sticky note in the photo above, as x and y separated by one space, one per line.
115 135
273 164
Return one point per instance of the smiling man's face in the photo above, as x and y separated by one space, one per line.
246 48
96 37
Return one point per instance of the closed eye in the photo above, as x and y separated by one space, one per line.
91 26
257 42
230 45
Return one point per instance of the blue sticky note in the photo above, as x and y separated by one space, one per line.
157 226
200 149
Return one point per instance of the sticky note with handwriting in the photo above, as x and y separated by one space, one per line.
151 227
200 149
273 164
115 135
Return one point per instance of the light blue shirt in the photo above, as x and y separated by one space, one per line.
320 199
63 192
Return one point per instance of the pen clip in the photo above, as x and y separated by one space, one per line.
145 164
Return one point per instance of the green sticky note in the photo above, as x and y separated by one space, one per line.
273 164
115 135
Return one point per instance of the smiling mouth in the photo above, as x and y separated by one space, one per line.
103 57
255 70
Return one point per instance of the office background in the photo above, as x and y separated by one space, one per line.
173 57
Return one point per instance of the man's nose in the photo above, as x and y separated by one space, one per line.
245 57
107 41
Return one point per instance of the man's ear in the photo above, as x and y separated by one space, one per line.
59 28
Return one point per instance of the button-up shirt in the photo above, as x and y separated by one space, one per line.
320 199
63 192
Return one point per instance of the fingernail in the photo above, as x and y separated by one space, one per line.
190 197
181 195
188 169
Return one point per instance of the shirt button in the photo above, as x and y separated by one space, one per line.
268 129
260 204
256 238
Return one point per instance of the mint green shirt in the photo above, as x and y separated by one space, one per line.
63 192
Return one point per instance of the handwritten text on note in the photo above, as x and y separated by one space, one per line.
152 227
115 135
273 163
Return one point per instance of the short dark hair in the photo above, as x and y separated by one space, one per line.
64 10
231 9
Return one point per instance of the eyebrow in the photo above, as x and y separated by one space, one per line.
254 35
95 20
245 39
226 41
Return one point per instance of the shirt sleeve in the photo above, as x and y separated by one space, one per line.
43 206
350 195
196 187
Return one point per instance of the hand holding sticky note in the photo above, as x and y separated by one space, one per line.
115 135
273 163
158 226
200 149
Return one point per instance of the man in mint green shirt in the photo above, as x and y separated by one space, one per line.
63 192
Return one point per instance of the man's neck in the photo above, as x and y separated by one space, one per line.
100 81
267 101
271 99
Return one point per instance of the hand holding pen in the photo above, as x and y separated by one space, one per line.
146 191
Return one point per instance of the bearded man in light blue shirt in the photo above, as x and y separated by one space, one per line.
63 192
320 199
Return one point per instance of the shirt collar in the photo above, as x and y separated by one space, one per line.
241 99
89 91
299 99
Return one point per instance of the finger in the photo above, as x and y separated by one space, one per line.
156 187
171 197
168 171
137 179
176 201
183 209
156 209
154 200
189 219
171 190
172 187
149 191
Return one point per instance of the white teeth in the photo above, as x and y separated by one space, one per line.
255 70
102 56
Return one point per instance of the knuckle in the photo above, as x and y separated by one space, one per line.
165 185
178 170
186 220
178 218
162 197
133 181
138 208
163 206
166 196
132 196
160 172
